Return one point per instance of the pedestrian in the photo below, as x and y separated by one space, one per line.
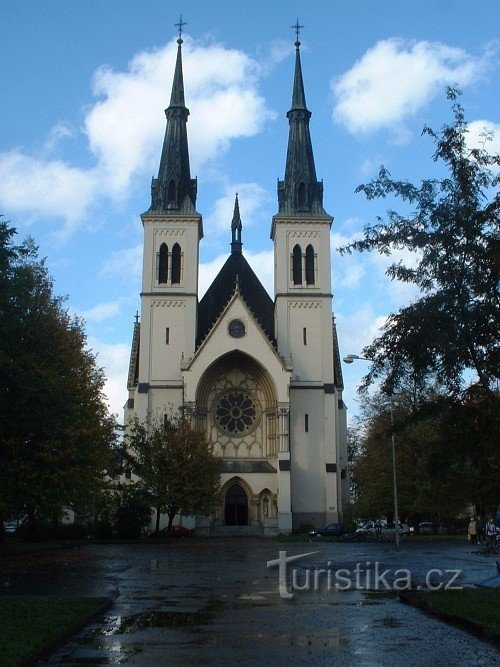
472 531
491 533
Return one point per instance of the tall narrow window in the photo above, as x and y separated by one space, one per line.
297 265
302 198
304 335
167 336
306 423
310 265
172 192
163 264
176 264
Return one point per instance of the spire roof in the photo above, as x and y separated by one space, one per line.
300 193
174 191
236 227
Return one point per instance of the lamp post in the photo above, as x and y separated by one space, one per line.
349 359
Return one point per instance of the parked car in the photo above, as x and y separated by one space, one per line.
379 527
370 527
404 528
427 528
333 530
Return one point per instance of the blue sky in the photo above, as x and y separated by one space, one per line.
84 86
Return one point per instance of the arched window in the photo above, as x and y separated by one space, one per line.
310 265
163 264
176 264
302 195
297 265
172 192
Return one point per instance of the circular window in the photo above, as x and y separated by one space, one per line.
235 412
236 329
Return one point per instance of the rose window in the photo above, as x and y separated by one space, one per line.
236 413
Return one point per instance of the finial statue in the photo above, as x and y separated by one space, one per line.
180 26
137 317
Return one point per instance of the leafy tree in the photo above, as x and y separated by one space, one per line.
55 431
454 232
446 456
175 465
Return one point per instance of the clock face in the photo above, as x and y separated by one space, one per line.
236 329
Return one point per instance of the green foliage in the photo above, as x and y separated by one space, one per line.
453 233
446 456
175 465
55 432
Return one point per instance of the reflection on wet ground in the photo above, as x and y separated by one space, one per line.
214 602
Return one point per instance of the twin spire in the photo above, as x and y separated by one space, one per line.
174 191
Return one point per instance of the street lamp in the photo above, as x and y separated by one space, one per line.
349 359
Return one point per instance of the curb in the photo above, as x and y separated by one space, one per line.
462 622
40 655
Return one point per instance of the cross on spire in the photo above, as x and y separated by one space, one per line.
297 28
180 26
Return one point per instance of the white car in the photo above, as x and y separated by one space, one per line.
378 527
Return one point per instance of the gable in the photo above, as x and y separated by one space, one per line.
236 273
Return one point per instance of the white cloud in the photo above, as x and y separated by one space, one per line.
114 359
126 263
395 78
484 134
252 197
45 188
124 129
263 265
102 311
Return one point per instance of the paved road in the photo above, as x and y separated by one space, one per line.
215 602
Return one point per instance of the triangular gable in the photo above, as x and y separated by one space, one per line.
254 343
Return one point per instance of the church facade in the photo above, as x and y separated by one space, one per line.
260 375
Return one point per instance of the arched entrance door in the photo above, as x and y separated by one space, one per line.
236 506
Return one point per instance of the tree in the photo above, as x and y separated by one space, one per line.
454 231
175 465
55 432
446 454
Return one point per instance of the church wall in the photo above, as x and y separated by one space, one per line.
306 449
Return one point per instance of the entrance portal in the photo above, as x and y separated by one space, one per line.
236 506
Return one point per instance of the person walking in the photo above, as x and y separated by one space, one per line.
472 531
491 533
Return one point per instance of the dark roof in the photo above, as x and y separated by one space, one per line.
236 269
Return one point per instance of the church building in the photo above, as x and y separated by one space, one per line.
261 375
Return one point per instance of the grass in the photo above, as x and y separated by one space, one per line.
31 622
479 607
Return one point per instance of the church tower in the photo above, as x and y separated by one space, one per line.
172 232
304 326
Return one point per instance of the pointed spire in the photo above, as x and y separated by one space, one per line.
298 95
174 190
236 227
300 193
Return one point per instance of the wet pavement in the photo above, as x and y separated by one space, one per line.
215 602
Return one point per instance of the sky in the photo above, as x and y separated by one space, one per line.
84 88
